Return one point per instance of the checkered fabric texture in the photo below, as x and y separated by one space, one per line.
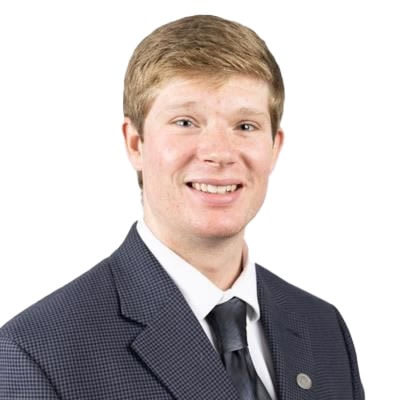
124 331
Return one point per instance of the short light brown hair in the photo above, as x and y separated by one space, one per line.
198 46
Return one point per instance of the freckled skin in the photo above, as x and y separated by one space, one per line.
199 131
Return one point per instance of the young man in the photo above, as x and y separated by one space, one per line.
179 311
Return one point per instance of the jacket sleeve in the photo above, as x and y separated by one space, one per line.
358 390
20 376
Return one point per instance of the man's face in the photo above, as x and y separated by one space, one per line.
206 157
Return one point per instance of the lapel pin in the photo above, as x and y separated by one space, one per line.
304 381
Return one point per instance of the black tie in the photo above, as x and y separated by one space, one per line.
228 322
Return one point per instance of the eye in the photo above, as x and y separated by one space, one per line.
247 127
184 123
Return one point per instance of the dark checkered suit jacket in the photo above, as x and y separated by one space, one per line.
124 331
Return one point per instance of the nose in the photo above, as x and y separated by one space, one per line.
216 147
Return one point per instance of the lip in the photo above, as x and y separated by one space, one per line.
215 182
214 199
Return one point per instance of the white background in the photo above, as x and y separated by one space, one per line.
331 220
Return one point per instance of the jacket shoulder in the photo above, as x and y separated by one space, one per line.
69 307
288 294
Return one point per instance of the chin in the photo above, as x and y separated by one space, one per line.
218 230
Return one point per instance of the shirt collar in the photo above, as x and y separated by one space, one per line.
199 292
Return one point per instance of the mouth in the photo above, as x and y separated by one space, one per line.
214 189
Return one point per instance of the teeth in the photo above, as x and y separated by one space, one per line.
212 189
203 187
221 189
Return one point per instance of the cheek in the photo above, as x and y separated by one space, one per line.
166 155
171 154
260 161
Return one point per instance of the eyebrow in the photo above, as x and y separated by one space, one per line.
240 111
251 111
186 104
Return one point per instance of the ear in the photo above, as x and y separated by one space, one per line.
276 149
133 144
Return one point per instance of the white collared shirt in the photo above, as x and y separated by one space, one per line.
202 296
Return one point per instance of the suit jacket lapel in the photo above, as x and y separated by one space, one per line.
176 349
172 343
288 338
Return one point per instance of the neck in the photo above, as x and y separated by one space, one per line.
219 259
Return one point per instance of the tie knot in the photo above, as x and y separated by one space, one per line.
228 323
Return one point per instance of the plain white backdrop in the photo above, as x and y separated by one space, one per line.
331 221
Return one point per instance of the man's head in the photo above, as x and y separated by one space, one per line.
203 101
202 47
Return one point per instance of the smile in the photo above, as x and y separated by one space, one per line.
214 189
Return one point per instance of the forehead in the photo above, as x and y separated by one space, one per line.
236 92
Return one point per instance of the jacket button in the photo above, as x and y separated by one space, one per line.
304 381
